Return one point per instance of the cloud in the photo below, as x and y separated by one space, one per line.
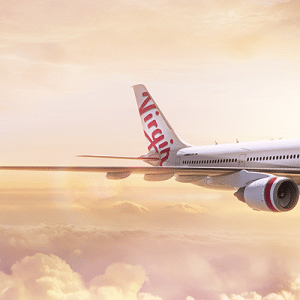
41 277
153 264
128 207
48 277
291 292
185 208
255 296
129 279
147 296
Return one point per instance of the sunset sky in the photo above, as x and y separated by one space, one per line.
219 70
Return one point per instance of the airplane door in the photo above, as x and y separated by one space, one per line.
177 161
242 160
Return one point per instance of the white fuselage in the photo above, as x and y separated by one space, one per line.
283 153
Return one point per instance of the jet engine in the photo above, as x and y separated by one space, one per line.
277 194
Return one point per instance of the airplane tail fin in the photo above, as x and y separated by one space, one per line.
161 137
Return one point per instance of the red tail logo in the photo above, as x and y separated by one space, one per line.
156 137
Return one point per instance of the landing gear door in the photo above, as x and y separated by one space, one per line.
242 160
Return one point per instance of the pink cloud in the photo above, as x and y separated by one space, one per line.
149 263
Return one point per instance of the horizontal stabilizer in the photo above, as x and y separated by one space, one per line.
120 157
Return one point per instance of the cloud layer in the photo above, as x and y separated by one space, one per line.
44 262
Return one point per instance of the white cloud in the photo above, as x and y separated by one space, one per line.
48 277
283 295
146 296
127 278
41 277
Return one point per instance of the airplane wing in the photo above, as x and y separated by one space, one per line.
242 179
189 171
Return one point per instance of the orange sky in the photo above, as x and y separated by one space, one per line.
219 70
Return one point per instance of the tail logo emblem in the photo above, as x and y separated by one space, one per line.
156 137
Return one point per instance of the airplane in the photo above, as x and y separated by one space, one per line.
264 174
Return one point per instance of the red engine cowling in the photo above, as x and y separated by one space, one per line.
275 194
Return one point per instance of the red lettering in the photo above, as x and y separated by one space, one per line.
164 144
148 117
143 108
164 158
151 144
152 123
155 139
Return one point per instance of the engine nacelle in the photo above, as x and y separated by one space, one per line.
277 194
